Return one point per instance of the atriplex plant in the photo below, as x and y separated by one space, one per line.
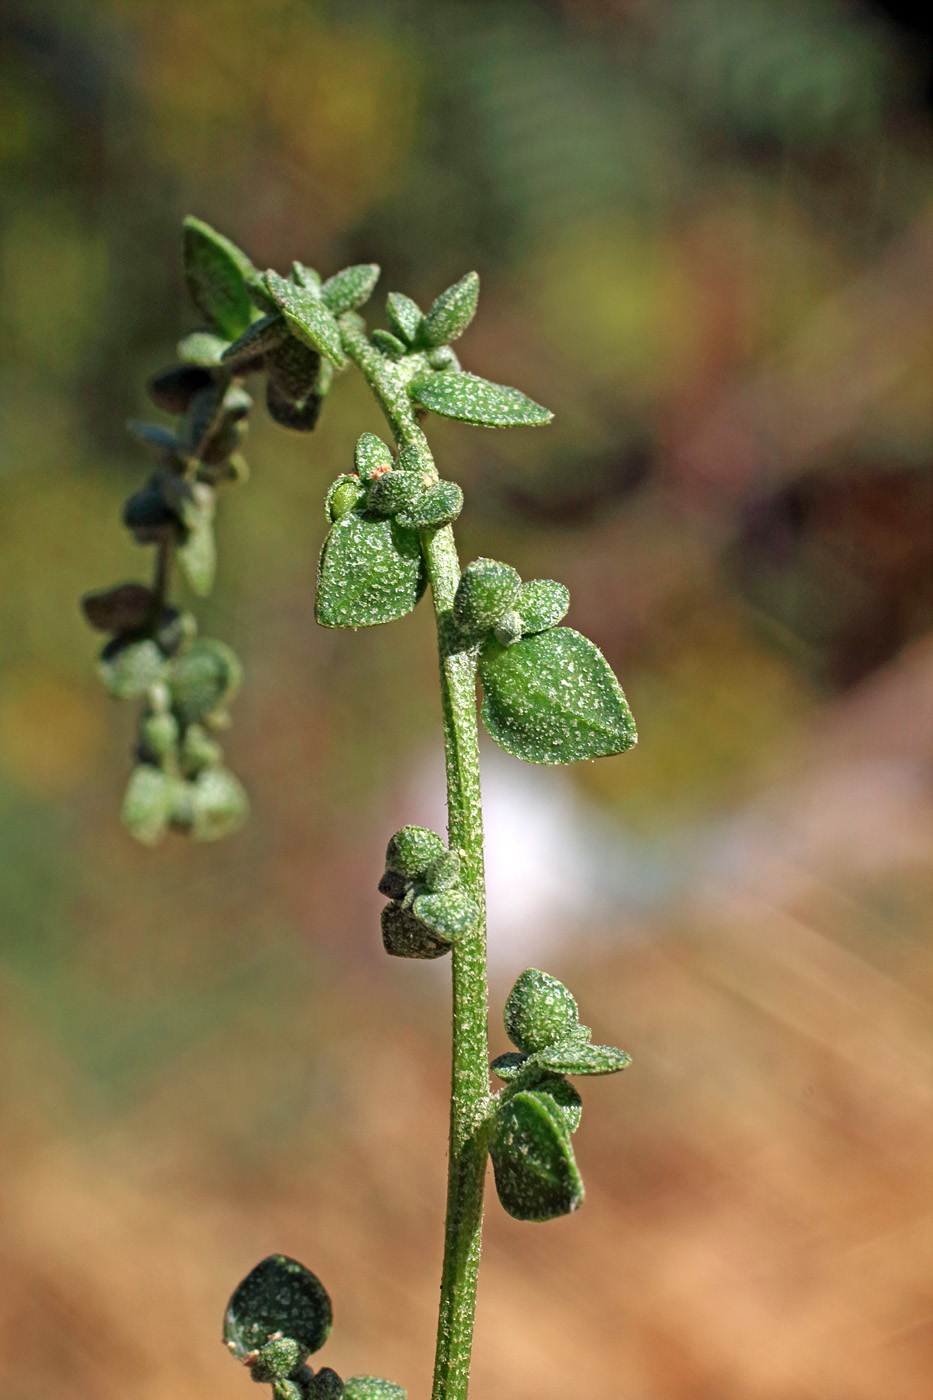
549 696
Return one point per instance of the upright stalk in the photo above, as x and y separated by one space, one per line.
469 1097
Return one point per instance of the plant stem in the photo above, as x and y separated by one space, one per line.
469 1097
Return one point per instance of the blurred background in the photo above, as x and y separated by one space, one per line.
705 234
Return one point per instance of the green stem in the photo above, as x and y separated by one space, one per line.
469 1097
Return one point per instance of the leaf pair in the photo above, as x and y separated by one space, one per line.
535 1169
279 1316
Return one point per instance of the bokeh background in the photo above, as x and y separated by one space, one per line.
705 234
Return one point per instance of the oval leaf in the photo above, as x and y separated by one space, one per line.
583 1059
148 803
451 914
203 679
470 399
119 609
279 1295
541 604
202 349
405 316
440 505
219 804
307 316
129 668
539 1011
370 571
216 272
552 698
350 288
509 1065
536 1174
404 936
263 335
448 317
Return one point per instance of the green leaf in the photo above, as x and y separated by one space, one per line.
412 850
405 317
372 457
372 1388
342 496
203 680
486 592
258 339
350 288
173 389
448 317
298 414
583 1059
120 609
219 804
148 803
536 1174
509 1065
216 272
326 1385
470 399
404 936
279 1359
552 698
129 667
557 1088
388 344
202 349
439 505
539 1011
541 604
197 553
307 316
370 571
294 367
279 1295
394 491
451 914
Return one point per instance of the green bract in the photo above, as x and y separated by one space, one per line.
552 698
405 317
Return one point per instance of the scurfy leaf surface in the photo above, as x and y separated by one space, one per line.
371 571
470 399
552 698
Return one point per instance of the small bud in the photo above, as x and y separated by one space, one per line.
393 491
416 457
540 1011
342 497
129 667
412 850
486 592
372 457
147 804
443 358
443 873
278 1360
